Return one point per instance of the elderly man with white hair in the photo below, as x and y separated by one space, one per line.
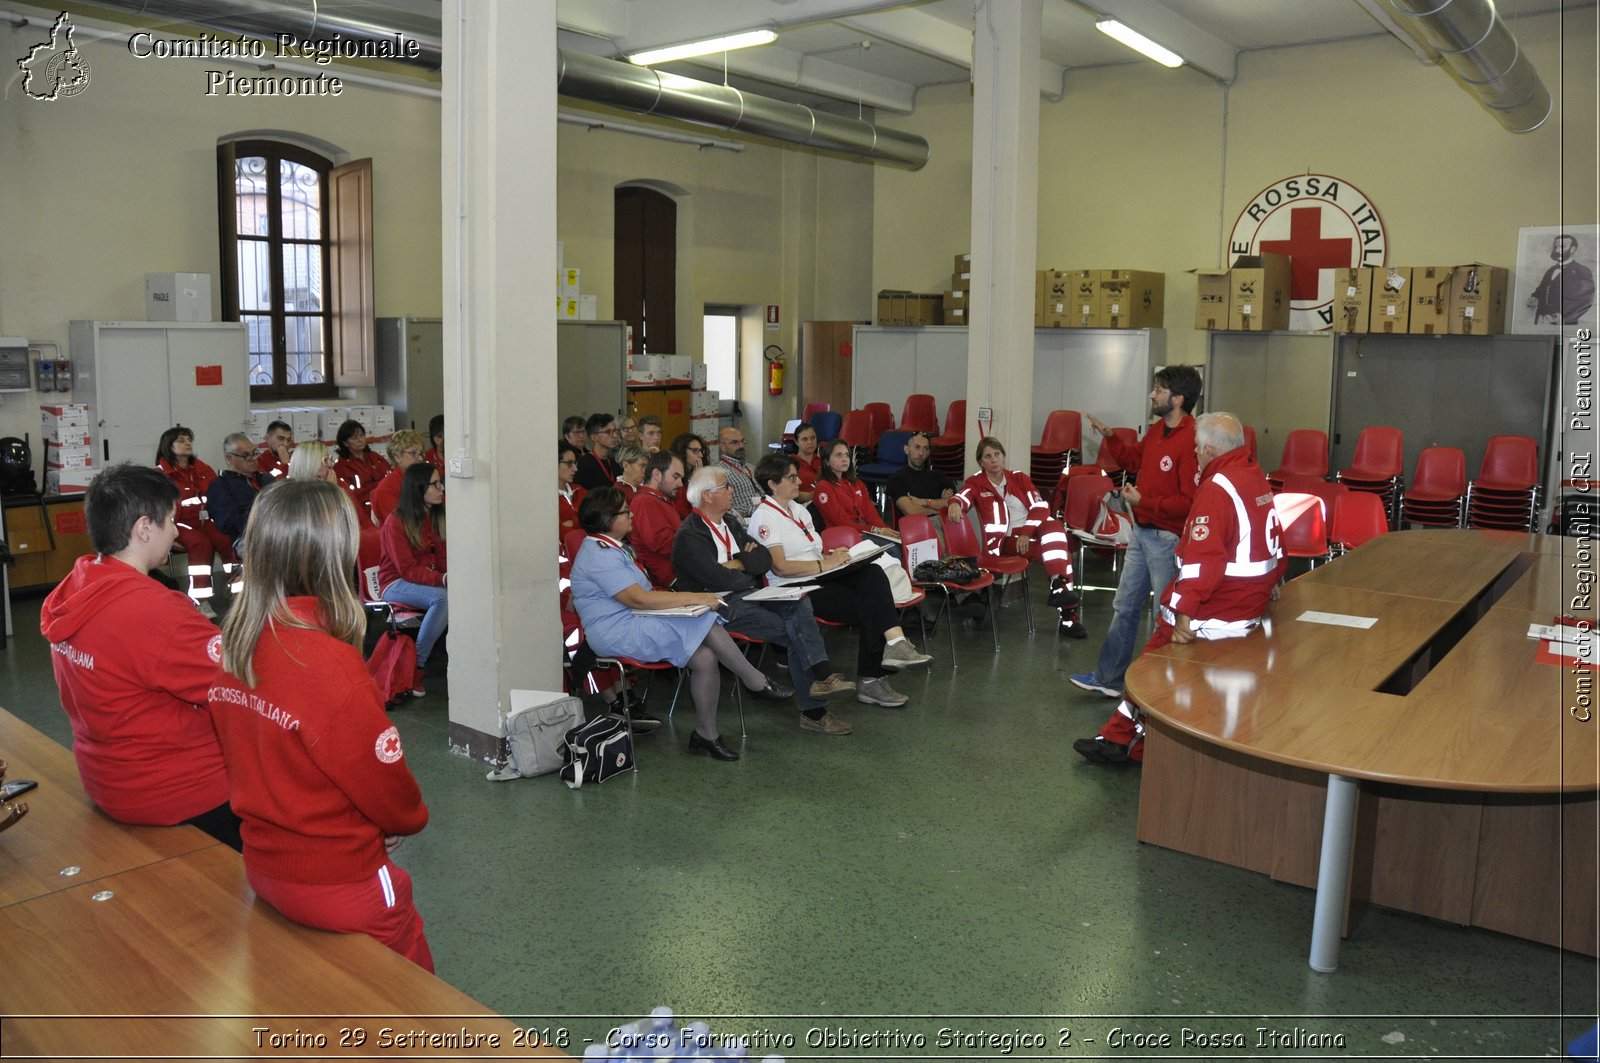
1230 560
713 552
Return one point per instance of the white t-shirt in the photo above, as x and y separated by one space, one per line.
772 525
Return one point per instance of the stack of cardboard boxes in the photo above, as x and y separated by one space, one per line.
1253 296
571 303
958 298
1099 298
322 422
910 308
68 449
1465 300
705 406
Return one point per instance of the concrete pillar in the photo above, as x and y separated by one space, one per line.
1005 207
498 130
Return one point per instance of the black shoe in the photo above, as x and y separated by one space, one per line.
1097 750
773 692
1072 629
1062 596
711 746
643 722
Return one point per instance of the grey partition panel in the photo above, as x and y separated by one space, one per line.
889 364
591 367
1275 382
1105 372
1452 391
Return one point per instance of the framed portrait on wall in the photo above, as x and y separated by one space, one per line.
1556 267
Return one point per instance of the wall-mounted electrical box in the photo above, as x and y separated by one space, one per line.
14 364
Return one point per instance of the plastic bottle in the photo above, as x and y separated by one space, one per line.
627 1043
661 1035
596 1054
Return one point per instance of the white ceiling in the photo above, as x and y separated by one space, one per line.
838 53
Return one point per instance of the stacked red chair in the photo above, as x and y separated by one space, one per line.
1378 466
1357 517
881 418
949 449
1086 487
1305 525
815 407
1305 453
1437 495
1060 446
921 414
1506 493
857 431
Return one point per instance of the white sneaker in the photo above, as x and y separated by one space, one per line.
879 692
902 654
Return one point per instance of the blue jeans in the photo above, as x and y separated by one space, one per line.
434 621
789 624
1149 565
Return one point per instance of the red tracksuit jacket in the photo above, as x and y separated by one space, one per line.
1230 556
1167 472
655 522
991 503
425 564
847 505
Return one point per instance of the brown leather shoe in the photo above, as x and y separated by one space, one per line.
829 724
834 684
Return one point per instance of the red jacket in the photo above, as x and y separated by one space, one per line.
386 495
359 475
1230 557
993 520
810 472
317 772
267 462
567 511
847 504
191 481
655 522
423 564
1168 472
133 662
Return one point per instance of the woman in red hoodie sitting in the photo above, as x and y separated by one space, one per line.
315 768
843 499
200 539
360 468
412 569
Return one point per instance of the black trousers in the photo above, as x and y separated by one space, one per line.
859 596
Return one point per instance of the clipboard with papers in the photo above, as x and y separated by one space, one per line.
865 550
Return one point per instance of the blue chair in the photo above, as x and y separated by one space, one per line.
891 459
828 424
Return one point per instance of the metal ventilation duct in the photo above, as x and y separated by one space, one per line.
581 77
1470 36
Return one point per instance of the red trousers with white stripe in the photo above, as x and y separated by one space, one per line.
1126 725
1050 548
379 906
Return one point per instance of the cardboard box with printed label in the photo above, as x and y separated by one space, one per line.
177 297
569 283
660 367
1212 294
1478 300
678 366
1258 293
1352 299
1391 299
892 307
703 403
588 308
1129 298
69 481
955 307
697 375
961 281
329 418
382 424
56 419
1430 300
75 457
963 263
1080 297
1051 291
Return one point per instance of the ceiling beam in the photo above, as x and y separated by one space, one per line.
934 37
1207 54
654 25
780 66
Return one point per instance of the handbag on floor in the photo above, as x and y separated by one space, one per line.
596 751
537 733
393 666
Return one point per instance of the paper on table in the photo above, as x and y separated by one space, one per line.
785 593
1337 619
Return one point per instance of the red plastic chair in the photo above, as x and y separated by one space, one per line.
1305 529
921 414
1086 487
839 537
1379 457
948 449
1305 453
955 424
1060 446
857 428
962 540
814 407
1438 487
1358 517
919 529
369 556
1506 492
882 418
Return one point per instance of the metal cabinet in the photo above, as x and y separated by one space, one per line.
411 369
140 378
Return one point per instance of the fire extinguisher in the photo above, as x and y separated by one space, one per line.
774 356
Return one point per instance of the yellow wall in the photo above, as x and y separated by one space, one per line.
1132 162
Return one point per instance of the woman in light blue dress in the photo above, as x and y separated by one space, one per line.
608 586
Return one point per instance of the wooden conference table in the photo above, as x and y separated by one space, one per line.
124 942
1445 771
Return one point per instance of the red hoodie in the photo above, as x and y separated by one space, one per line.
133 661
317 771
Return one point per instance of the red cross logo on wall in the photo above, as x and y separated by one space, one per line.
1309 251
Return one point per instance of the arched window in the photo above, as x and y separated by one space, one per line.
287 273
645 270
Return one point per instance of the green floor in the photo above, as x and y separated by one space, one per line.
951 865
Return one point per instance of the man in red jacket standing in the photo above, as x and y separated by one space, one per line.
1230 560
1166 477
655 518
134 662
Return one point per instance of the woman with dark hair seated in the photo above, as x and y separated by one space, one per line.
569 494
413 568
360 468
807 461
200 539
608 589
692 449
843 499
859 596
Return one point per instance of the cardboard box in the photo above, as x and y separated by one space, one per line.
706 427
925 309
678 366
1430 300
73 457
177 297
1352 299
961 281
956 303
1130 298
891 307
1212 295
329 418
70 437
703 403
69 481
697 375
660 367
955 316
1258 293
1478 300
569 308
1079 297
382 424
963 263
1050 291
569 283
56 419
1391 299
588 308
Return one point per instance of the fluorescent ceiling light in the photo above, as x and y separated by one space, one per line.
1138 42
694 48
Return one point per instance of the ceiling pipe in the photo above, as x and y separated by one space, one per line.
641 90
1471 38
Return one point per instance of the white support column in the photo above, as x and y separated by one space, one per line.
498 134
1005 207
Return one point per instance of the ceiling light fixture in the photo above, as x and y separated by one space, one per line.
1138 42
706 47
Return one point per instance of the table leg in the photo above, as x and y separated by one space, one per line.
1333 871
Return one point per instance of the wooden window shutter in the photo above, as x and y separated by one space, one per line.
350 267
